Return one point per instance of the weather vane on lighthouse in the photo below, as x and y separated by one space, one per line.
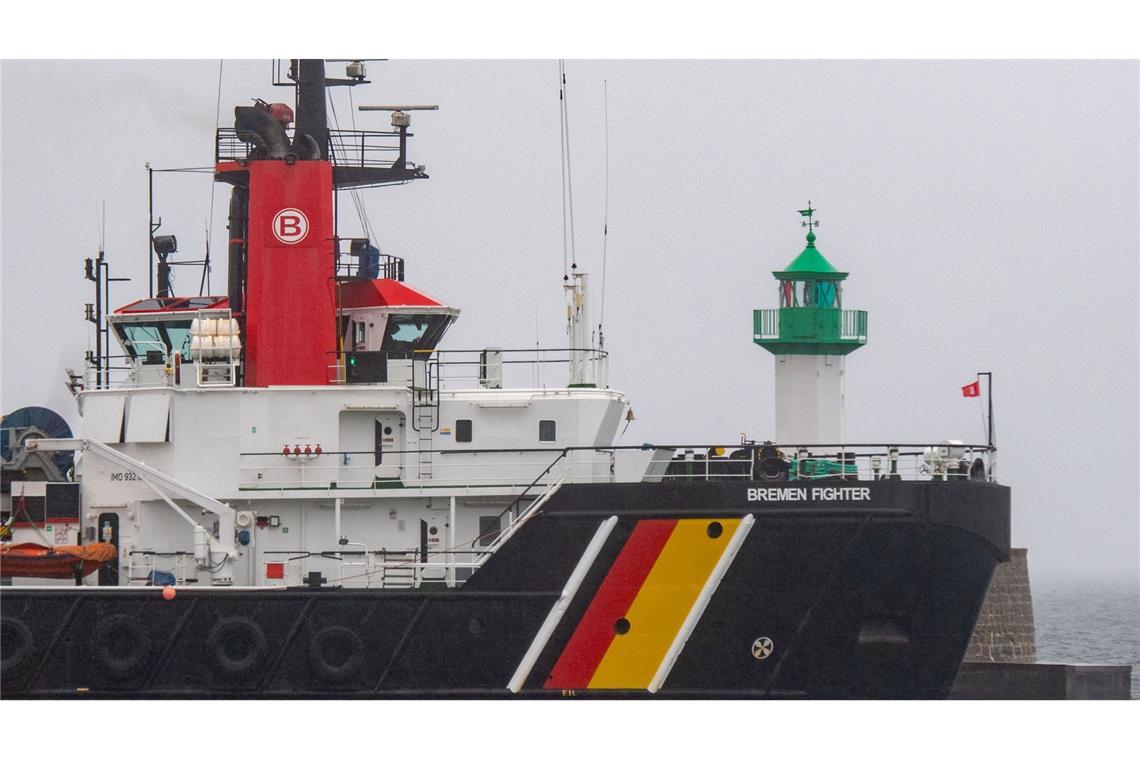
808 212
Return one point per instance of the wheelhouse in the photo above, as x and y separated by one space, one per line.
153 330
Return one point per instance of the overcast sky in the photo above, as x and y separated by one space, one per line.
987 212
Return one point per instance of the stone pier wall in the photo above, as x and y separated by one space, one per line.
1004 631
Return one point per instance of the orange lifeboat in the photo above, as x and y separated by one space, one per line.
37 561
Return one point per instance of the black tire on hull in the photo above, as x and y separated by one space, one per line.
122 645
15 645
336 653
237 646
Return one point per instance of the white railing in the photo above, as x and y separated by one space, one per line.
766 324
860 462
519 468
853 325
357 565
500 468
140 564
517 368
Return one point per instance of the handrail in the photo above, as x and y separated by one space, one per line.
522 518
534 482
523 468
676 446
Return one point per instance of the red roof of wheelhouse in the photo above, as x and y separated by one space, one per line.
359 294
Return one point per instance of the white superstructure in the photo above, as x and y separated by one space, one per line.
392 483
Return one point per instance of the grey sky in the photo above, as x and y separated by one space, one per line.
987 213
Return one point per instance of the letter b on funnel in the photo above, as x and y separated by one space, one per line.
290 226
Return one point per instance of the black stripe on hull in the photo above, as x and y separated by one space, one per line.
869 599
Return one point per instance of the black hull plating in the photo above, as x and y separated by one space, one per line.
864 599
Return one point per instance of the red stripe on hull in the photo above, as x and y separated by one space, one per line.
595 631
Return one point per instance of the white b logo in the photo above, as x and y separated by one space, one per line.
290 226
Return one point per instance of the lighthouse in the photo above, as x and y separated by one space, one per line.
810 335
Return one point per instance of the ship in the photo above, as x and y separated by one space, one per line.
305 494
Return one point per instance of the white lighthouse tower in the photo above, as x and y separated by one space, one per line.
810 336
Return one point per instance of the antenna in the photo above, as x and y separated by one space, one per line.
102 225
606 209
203 285
400 116
562 168
205 281
566 158
397 108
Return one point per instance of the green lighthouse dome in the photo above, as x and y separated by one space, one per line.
810 318
810 264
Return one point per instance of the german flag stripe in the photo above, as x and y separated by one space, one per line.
662 604
638 612
595 632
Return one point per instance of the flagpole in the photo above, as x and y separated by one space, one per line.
990 406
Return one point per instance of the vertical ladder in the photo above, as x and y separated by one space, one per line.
425 425
425 413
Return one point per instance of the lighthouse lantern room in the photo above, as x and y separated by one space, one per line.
810 335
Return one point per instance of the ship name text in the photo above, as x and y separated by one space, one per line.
814 493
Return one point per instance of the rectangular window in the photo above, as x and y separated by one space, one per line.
463 431
546 430
489 529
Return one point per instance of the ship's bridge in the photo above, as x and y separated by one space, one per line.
157 336
152 330
382 319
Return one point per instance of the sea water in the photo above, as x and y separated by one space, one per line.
1090 622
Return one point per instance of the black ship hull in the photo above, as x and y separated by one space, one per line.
867 590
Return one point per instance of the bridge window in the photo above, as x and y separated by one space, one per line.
546 431
414 332
141 338
463 431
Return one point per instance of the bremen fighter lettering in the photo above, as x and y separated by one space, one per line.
815 493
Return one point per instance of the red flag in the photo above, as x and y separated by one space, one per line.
972 390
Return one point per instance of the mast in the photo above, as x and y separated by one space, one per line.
312 118
581 356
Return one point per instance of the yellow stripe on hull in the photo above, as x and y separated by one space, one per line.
660 607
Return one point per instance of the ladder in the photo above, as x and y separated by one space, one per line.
398 570
425 418
425 413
